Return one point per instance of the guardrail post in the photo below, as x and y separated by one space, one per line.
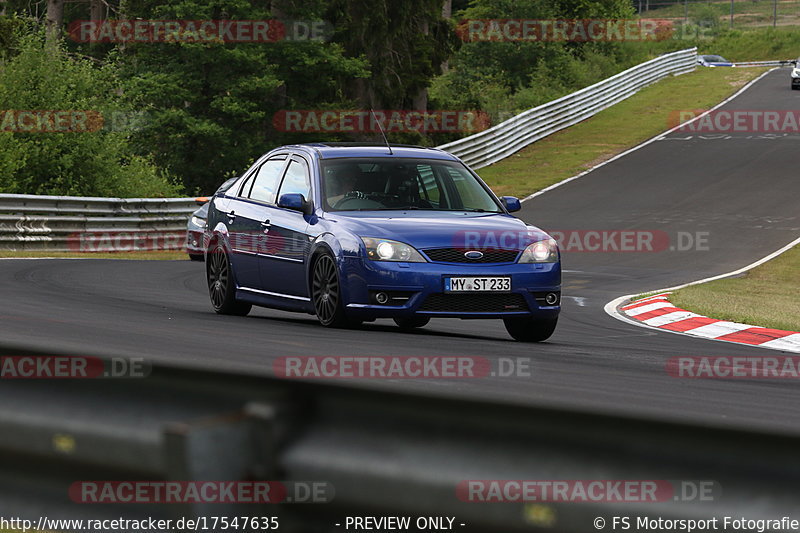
237 447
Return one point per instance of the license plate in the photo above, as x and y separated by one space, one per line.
493 284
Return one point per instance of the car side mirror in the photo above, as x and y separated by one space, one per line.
295 202
511 203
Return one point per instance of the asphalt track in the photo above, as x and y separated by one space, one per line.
744 191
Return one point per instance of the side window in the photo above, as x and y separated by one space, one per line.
428 185
296 180
265 181
462 186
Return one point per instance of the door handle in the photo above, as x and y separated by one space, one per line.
266 224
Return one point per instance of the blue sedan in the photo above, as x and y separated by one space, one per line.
352 233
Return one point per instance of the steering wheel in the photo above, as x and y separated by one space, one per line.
357 202
354 194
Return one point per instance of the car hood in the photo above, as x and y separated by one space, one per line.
441 229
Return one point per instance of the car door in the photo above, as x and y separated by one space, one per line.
248 220
283 266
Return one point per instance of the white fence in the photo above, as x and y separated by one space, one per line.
506 138
70 223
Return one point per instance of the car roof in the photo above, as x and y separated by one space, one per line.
350 150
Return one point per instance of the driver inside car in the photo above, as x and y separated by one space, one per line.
338 184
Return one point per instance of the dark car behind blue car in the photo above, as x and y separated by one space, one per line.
713 61
355 233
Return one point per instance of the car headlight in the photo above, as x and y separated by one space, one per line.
796 73
197 221
545 251
386 250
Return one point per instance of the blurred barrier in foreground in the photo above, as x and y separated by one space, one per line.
380 453
510 136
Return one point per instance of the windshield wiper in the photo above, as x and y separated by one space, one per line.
473 210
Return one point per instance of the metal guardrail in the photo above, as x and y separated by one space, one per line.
384 453
781 63
72 223
508 137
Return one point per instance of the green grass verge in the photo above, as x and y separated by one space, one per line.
765 44
612 131
745 14
156 255
768 295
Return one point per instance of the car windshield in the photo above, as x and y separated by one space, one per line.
381 184
716 59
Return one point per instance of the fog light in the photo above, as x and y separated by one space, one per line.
382 298
551 298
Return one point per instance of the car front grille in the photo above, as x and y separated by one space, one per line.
475 303
456 255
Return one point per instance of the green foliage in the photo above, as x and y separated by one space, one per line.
9 29
755 45
505 78
93 163
706 16
211 104
404 42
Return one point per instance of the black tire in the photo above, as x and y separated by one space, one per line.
326 293
412 323
196 257
529 329
221 288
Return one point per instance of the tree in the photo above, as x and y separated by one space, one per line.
55 19
88 157
210 105
406 44
505 77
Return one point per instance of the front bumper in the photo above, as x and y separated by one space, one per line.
195 242
795 82
417 289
